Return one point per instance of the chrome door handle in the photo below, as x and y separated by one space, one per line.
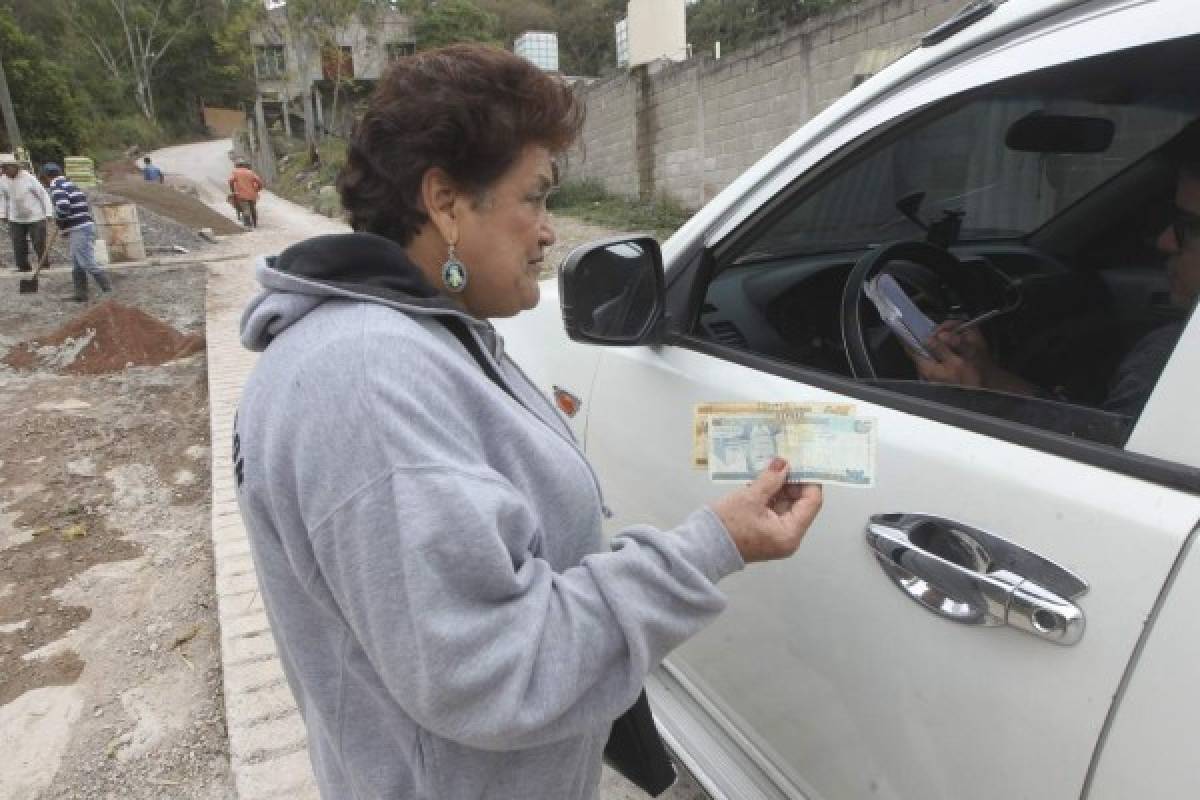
976 578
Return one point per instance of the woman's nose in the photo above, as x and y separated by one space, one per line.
546 234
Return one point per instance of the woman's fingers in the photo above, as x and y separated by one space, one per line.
940 349
807 496
805 507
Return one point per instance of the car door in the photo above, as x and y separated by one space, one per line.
824 678
837 680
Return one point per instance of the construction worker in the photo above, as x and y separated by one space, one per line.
151 173
74 218
25 205
245 185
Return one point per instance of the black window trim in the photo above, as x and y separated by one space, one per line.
1135 465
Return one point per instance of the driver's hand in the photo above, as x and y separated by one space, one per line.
959 357
968 343
963 358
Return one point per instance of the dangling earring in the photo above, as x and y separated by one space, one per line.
454 272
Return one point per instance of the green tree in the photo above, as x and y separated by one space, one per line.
48 114
739 23
210 63
131 37
230 78
587 35
98 95
442 22
514 17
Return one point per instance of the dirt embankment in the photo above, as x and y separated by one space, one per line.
173 202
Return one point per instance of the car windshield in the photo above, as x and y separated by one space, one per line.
965 162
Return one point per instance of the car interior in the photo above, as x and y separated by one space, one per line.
1039 198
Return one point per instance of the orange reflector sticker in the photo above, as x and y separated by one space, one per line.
567 403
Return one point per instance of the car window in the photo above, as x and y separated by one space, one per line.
959 162
1005 179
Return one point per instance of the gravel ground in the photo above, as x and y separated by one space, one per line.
110 680
158 232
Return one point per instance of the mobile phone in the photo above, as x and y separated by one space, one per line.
979 320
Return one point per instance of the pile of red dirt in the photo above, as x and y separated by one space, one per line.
107 338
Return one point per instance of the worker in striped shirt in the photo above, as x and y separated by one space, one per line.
74 218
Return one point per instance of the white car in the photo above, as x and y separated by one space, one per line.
1010 611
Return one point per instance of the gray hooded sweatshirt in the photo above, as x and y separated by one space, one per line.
449 617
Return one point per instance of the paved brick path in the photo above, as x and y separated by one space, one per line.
267 744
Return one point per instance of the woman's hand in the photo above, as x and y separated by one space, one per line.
768 518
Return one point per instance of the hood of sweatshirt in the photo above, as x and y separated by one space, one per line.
346 266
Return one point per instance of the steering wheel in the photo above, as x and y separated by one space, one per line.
944 265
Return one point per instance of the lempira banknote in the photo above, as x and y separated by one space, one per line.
819 448
706 411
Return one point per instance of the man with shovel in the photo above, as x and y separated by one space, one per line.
25 205
30 285
74 218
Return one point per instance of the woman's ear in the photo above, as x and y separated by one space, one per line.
440 197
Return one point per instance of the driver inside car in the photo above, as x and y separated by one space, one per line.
962 357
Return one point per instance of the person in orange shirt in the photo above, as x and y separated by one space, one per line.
245 185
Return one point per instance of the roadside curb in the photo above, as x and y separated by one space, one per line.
175 260
268 751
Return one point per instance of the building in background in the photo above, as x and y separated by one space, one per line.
293 67
540 48
652 30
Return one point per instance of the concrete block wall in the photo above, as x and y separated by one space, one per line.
688 129
675 141
607 147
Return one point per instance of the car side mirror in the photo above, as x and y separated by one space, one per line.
612 291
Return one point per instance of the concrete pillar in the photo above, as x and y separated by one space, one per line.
266 153
284 108
252 137
644 132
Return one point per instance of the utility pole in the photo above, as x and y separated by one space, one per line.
10 116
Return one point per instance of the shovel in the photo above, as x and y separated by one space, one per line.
30 285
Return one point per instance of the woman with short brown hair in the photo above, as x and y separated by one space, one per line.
426 531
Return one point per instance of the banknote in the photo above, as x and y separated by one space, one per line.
820 448
705 411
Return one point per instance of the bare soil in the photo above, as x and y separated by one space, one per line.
106 338
110 683
167 200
